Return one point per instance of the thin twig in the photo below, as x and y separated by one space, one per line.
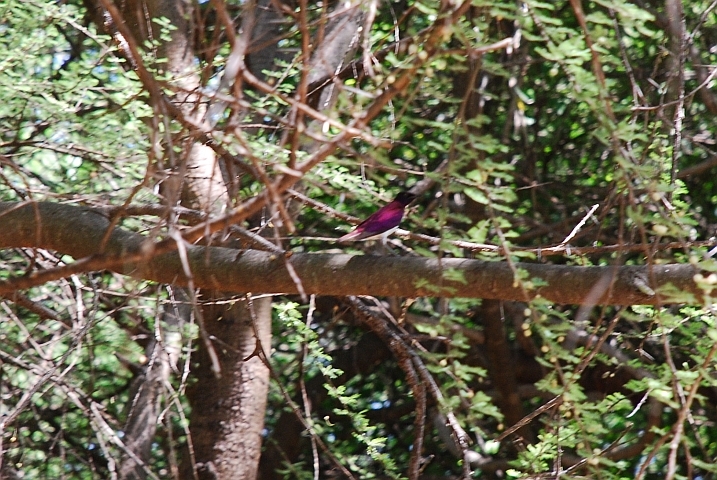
579 225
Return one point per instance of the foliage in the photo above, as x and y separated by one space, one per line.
511 146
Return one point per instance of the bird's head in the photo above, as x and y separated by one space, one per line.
404 198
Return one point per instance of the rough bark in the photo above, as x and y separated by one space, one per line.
228 409
339 41
225 409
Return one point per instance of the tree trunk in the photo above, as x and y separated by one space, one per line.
228 411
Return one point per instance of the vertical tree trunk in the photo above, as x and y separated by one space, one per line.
227 411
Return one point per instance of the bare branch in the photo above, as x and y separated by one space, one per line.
57 227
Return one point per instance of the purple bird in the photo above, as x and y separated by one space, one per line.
383 222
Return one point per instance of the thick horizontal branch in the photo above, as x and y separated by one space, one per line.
79 232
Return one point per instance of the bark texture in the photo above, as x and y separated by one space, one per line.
55 227
227 408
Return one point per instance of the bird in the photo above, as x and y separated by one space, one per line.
383 222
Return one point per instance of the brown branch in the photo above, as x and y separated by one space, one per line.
699 168
501 366
78 232
402 352
35 307
595 58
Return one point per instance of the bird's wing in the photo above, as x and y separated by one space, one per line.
384 219
380 221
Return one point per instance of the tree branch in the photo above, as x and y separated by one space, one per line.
78 232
